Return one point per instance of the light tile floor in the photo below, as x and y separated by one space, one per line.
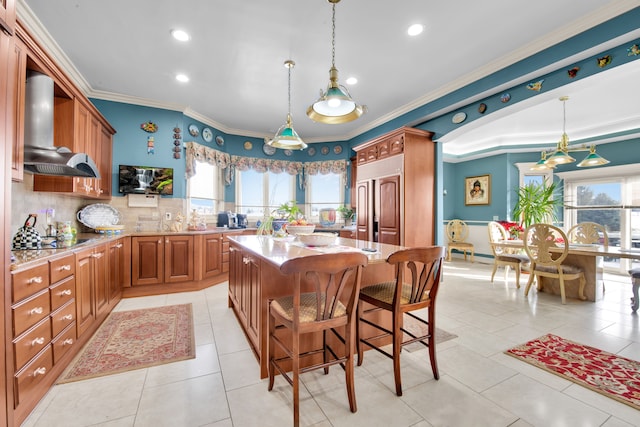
479 385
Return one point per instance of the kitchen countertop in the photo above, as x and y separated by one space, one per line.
23 258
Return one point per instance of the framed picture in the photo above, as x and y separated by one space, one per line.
477 190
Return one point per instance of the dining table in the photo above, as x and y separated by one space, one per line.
589 257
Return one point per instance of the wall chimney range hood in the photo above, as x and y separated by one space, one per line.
40 155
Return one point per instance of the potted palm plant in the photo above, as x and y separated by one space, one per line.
537 203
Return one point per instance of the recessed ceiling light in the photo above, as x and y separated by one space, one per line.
415 29
183 36
351 81
182 78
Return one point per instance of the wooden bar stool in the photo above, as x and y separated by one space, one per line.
325 296
635 282
418 273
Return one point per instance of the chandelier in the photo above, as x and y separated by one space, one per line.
335 104
560 155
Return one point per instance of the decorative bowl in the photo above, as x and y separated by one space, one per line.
300 229
317 239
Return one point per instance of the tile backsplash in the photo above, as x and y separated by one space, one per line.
25 201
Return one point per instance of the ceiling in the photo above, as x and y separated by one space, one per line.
122 50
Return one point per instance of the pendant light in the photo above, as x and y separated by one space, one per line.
560 156
287 137
335 105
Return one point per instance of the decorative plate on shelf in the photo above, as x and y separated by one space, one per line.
193 130
219 140
207 135
248 145
99 214
337 149
311 151
268 149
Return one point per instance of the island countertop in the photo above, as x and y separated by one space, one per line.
278 250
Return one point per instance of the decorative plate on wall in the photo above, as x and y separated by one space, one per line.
248 145
288 152
324 150
193 130
268 149
219 140
337 149
311 151
207 135
459 118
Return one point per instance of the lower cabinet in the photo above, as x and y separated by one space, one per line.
92 295
162 259
244 291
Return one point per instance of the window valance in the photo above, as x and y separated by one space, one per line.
201 153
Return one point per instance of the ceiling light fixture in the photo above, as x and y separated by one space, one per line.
182 78
287 137
560 155
415 29
335 104
180 35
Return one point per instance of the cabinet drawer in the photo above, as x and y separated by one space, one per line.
64 342
225 246
31 311
34 373
31 343
28 282
63 317
62 292
62 267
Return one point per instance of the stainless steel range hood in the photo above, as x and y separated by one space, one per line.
40 155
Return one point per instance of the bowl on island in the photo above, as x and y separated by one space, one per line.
317 239
300 229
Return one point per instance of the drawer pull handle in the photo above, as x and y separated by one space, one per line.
37 279
119 245
97 255
37 341
36 310
68 341
40 371
65 267
66 292
67 317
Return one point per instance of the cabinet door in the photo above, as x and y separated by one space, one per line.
16 82
251 294
178 256
211 255
146 260
7 15
101 277
389 214
85 312
117 275
363 210
235 276
104 160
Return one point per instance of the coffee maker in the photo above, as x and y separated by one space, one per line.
227 219
243 222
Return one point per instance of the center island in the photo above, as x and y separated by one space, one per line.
255 278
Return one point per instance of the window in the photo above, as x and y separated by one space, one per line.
608 197
323 191
259 193
205 192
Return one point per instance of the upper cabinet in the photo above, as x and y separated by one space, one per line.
78 125
8 16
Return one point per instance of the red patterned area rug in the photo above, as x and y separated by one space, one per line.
135 339
606 373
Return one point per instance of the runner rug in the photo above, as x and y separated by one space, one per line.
135 339
606 373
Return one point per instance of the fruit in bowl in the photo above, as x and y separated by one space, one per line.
298 229
317 239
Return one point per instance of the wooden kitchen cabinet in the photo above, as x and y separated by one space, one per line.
16 83
244 291
209 247
7 16
394 188
119 268
92 277
162 259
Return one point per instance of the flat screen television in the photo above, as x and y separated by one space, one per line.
145 180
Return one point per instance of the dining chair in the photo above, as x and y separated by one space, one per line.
457 232
502 256
417 279
635 283
325 297
547 247
588 233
